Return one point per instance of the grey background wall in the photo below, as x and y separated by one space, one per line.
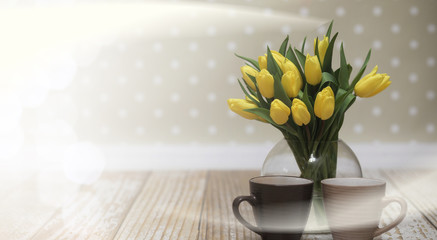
164 74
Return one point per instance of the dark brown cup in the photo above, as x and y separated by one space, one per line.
281 205
354 206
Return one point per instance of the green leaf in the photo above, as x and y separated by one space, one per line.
309 105
292 57
265 114
316 50
328 33
283 47
273 68
363 68
249 95
303 44
327 62
344 70
301 57
328 79
251 61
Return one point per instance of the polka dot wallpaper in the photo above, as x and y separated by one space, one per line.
143 87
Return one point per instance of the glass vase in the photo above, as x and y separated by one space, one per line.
330 159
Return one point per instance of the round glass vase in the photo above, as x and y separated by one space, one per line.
344 163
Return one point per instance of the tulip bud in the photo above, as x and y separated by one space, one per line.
262 60
238 106
372 84
265 83
279 112
313 72
284 63
248 70
325 103
300 113
323 45
292 83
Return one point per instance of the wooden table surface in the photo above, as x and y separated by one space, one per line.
173 205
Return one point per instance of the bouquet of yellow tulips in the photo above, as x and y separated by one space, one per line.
305 99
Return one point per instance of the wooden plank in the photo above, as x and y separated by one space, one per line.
168 207
414 226
419 187
97 210
218 221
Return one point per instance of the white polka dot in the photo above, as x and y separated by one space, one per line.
395 62
175 97
394 95
104 130
412 111
139 130
139 97
430 128
414 44
286 29
268 44
157 80
249 129
377 11
340 11
175 31
139 64
377 44
249 30
376 111
211 31
413 77
104 97
193 80
232 80
232 46
358 29
395 28
358 62
194 113
211 64
231 12
175 130
158 113
430 62
212 97
174 64
430 95
212 130
414 11
358 128
394 128
157 47
431 28
267 12
320 30
122 113
193 46
121 47
122 80
303 11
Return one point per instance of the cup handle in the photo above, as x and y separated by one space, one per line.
235 208
386 201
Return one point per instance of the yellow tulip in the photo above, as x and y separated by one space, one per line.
300 113
372 84
248 70
323 45
248 99
239 105
262 60
265 83
325 103
284 63
292 83
279 112
313 72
